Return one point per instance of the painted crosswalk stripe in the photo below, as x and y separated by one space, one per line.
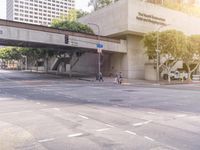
130 132
46 140
109 125
84 117
142 123
75 135
148 138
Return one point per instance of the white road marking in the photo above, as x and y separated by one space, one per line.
104 129
109 125
84 117
46 140
152 113
181 116
130 132
57 109
142 123
148 138
75 135
38 103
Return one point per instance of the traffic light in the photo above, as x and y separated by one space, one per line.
66 39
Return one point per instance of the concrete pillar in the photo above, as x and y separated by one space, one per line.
131 64
46 64
135 57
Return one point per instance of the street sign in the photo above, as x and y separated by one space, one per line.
99 45
99 50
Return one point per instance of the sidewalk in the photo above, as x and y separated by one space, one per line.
140 82
125 81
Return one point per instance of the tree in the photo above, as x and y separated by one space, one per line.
71 26
191 56
10 53
97 4
171 45
81 13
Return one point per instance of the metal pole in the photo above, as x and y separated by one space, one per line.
157 59
99 53
26 62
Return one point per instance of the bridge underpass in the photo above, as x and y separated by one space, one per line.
68 42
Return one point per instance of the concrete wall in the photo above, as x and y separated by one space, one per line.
87 64
41 37
120 20
111 20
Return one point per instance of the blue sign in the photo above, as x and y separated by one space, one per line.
99 45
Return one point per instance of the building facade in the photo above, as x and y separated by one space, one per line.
134 19
40 12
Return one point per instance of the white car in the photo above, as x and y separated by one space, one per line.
176 75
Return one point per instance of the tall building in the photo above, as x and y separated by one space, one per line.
39 12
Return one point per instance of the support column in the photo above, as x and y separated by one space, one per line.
132 63
46 64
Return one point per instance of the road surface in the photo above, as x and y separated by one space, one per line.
45 112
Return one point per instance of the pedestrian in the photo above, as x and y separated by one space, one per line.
119 78
100 77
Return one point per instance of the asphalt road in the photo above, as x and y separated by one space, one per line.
45 112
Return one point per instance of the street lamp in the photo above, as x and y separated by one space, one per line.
158 53
99 51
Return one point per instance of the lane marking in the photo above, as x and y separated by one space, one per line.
142 123
57 109
84 117
148 138
180 116
109 125
104 129
38 103
75 135
46 140
130 132
152 113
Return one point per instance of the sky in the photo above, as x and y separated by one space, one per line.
80 4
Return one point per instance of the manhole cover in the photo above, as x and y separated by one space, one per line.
116 100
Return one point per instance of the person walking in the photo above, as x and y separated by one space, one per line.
100 77
119 78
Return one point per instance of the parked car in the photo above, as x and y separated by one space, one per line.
176 75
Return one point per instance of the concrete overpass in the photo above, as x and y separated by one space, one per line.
28 35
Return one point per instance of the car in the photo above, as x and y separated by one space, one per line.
176 75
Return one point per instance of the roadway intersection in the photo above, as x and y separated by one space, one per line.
46 112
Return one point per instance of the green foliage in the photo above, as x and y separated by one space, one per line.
149 41
81 13
173 43
174 46
10 53
98 4
16 53
170 43
71 26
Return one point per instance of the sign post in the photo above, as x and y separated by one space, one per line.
99 50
